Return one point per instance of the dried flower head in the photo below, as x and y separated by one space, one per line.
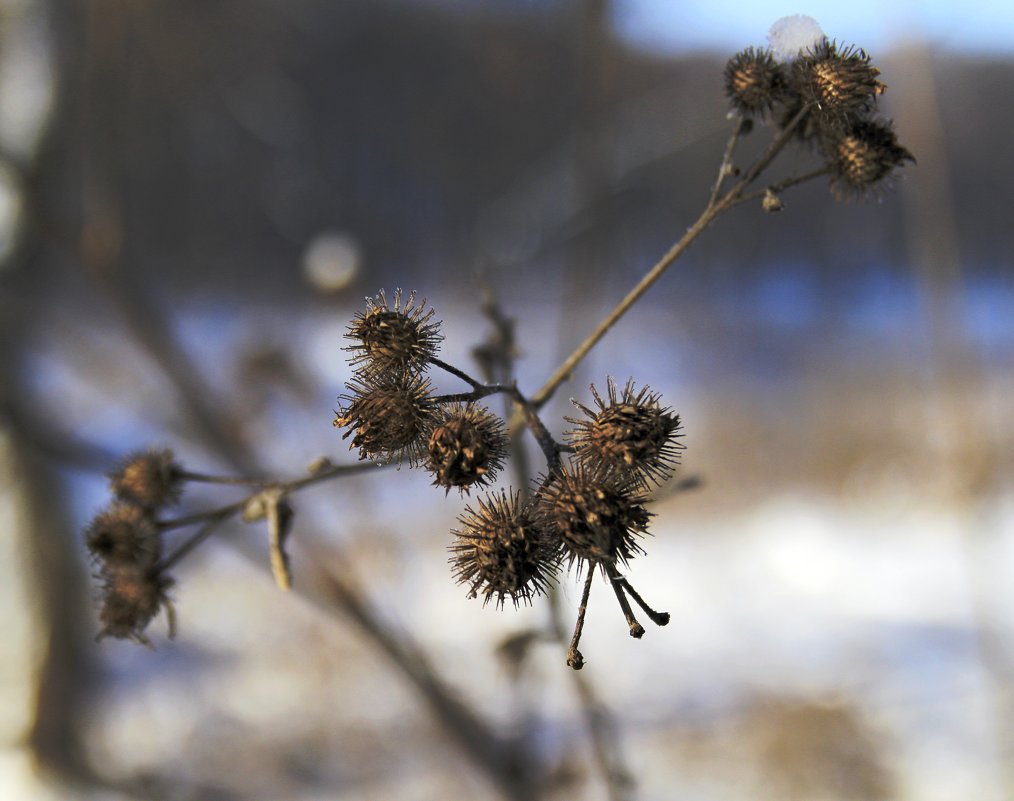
149 478
124 534
389 416
501 553
630 435
863 156
754 82
597 518
466 447
836 79
131 597
399 338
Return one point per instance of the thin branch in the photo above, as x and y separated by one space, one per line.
468 397
450 368
658 618
188 475
193 542
784 184
574 658
713 210
207 516
550 447
726 167
636 629
212 517
327 473
564 370
776 146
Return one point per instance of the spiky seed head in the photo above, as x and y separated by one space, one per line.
863 156
124 534
754 82
597 518
837 79
466 447
399 338
629 435
148 478
388 416
500 552
131 597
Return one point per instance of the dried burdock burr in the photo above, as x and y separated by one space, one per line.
150 479
388 415
863 156
124 534
131 597
596 517
398 338
630 434
754 82
466 448
836 79
500 552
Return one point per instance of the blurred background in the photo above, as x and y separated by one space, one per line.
195 197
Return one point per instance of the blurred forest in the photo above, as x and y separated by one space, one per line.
194 197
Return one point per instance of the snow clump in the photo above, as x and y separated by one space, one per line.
791 35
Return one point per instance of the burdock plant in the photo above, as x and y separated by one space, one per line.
587 509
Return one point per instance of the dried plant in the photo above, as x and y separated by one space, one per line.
588 508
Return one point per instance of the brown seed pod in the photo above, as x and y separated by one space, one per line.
401 338
466 447
501 553
862 157
630 435
131 597
837 79
389 416
124 534
149 478
754 82
597 518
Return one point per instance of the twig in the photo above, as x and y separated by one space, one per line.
450 368
212 517
207 516
636 629
550 447
188 475
192 542
468 397
279 515
574 658
658 618
782 185
726 167
564 370
713 210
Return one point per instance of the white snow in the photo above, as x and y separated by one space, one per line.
790 35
